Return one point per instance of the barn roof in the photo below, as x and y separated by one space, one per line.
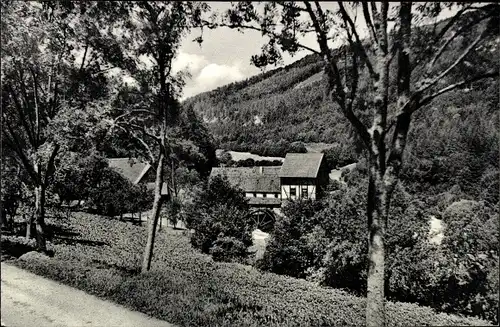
132 169
251 179
301 165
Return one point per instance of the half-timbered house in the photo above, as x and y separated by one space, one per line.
303 176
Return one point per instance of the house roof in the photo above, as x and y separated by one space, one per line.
301 165
253 179
132 169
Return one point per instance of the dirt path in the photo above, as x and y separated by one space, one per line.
30 300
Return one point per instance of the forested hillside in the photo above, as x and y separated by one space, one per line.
456 135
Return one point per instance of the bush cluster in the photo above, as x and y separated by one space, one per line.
105 190
115 195
220 217
339 156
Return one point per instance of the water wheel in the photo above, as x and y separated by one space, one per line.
263 220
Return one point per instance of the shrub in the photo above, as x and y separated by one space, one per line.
329 246
220 217
172 210
338 156
288 252
471 239
228 249
115 195
78 176
340 239
490 186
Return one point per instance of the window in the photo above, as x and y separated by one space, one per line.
293 191
304 192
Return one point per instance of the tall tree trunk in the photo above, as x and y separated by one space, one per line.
5 221
153 220
377 216
377 195
172 178
29 226
40 218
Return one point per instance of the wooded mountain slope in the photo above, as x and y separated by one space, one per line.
455 135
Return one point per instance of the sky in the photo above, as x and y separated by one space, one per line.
224 55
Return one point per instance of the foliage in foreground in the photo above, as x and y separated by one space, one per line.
105 190
219 216
189 289
327 243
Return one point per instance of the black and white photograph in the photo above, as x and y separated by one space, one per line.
249 163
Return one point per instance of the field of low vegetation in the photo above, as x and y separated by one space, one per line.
102 256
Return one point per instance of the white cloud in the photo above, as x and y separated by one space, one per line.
205 75
191 62
214 73
211 76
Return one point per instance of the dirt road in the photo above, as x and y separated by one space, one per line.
30 300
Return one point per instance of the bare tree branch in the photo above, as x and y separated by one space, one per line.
331 65
18 148
427 99
141 141
22 116
383 27
142 129
37 107
441 50
25 99
334 78
84 55
369 22
255 28
135 111
426 83
360 48
452 21
50 165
